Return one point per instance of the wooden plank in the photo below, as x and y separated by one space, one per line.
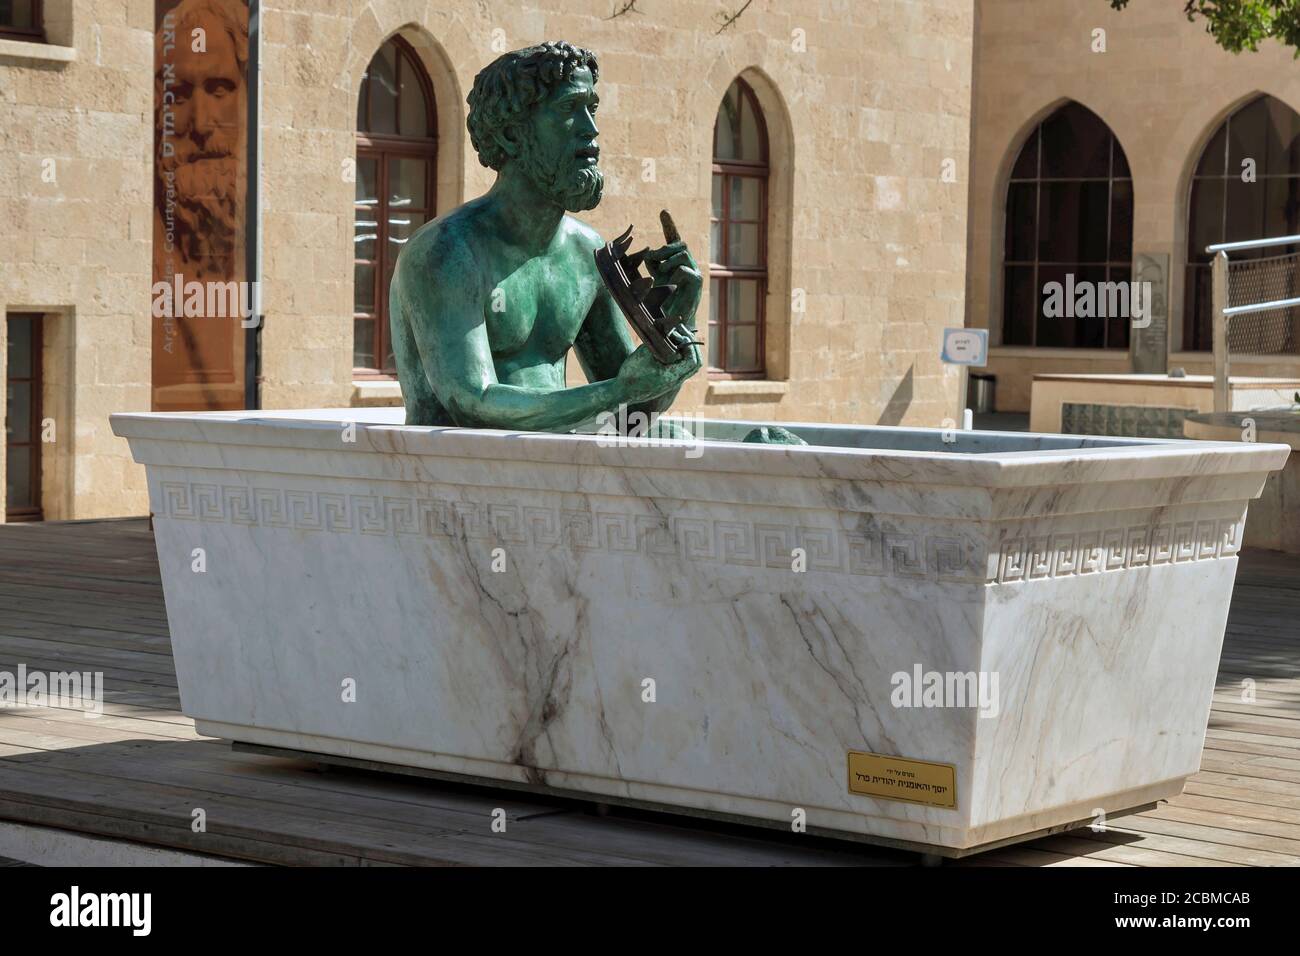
1028 854
1254 784
170 810
154 683
120 726
168 802
139 759
1195 787
145 659
1131 854
1199 849
1150 823
1228 747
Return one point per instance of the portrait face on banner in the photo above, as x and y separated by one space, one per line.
200 195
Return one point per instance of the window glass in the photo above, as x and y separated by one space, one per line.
1248 136
20 347
1284 139
19 492
1074 221
745 201
366 234
726 130
1019 303
1022 219
1027 164
1075 144
363 295
1212 158
742 346
742 301
1224 207
1118 330
413 108
394 189
363 343
17 14
751 148
738 201
742 244
1069 218
19 411
1121 221
406 182
382 75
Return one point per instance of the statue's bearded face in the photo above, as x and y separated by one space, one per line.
558 150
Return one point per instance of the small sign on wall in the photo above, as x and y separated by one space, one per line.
965 346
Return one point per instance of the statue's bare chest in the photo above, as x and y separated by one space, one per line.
538 309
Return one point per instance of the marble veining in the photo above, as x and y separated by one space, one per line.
631 624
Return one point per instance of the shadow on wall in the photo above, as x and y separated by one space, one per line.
899 402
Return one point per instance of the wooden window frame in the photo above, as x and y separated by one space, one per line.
1038 182
726 274
382 148
34 511
32 34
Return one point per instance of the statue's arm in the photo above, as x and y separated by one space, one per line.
446 319
603 345
605 340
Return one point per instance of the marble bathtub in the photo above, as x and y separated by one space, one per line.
718 628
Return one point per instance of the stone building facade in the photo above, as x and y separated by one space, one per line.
1163 87
867 112
75 164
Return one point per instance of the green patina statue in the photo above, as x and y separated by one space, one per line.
487 300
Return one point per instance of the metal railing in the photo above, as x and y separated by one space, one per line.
1222 312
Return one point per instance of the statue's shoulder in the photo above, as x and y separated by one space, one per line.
581 234
449 243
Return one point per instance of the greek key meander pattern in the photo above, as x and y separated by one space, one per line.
740 543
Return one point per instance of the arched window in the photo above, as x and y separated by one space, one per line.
738 237
396 152
1246 186
1069 221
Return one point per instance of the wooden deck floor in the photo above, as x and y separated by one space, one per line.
86 596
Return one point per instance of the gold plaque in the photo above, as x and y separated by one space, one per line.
897 778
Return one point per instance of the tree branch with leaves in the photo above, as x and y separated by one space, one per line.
1239 25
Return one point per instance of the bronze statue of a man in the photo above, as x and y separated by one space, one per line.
487 300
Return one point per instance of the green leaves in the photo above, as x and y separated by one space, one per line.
1238 25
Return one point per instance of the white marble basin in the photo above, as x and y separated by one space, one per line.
500 602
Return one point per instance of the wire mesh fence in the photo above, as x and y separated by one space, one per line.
1260 280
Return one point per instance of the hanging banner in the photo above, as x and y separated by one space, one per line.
201 301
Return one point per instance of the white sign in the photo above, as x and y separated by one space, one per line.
965 346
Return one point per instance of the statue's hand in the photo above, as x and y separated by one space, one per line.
643 377
673 265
